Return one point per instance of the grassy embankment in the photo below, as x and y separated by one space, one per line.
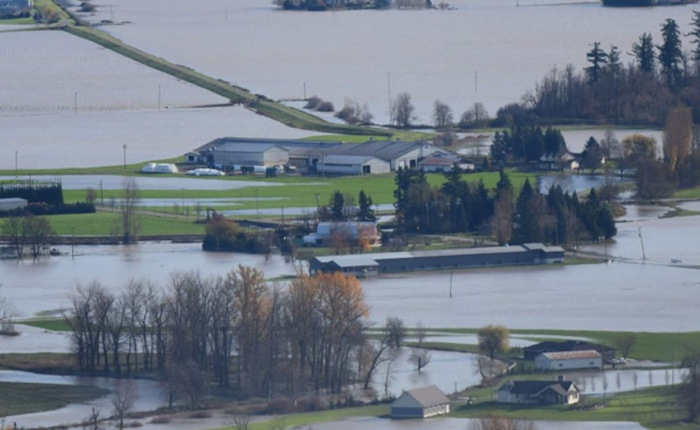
18 21
689 194
16 399
664 347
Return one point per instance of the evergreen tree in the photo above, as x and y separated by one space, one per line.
528 229
500 148
598 59
671 53
337 207
614 63
643 52
534 144
592 155
606 222
365 212
554 142
504 184
482 207
695 35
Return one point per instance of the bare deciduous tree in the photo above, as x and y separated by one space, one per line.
626 343
390 340
90 195
7 315
123 401
420 355
130 223
442 115
402 111
14 228
37 232
239 420
690 389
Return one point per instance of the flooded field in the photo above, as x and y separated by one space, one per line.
460 424
42 71
665 241
48 284
359 49
574 183
58 140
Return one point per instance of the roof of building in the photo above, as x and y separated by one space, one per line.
385 149
439 161
343 159
13 200
567 345
428 396
248 147
360 261
534 388
572 355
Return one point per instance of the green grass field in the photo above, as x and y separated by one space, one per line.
654 408
310 418
18 21
101 224
301 191
16 399
692 193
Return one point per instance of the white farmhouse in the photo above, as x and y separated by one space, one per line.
560 392
588 359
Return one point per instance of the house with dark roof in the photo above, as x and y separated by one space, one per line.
421 403
11 8
558 392
532 351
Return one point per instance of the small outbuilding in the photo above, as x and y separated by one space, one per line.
589 359
12 204
421 403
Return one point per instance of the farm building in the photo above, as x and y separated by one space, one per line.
565 162
321 157
421 403
326 231
395 262
560 392
589 359
12 204
9 8
532 351
444 164
245 154
351 165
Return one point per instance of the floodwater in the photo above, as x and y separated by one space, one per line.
33 340
48 284
619 296
93 139
112 182
574 183
643 212
104 80
691 206
662 241
149 396
351 54
372 423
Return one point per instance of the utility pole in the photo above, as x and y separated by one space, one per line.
124 147
641 239
183 200
102 195
318 207
451 273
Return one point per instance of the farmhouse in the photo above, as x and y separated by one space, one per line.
395 262
589 359
12 204
350 230
560 392
444 164
421 403
565 162
532 351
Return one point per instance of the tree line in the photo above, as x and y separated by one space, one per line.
236 332
457 206
660 78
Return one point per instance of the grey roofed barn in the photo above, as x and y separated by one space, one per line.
420 403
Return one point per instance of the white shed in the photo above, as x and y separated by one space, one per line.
352 165
421 403
588 359
12 204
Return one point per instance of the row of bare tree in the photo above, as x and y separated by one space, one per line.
235 331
